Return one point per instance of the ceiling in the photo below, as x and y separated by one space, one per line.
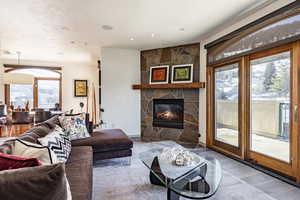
57 30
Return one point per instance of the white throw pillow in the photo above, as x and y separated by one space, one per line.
58 142
30 150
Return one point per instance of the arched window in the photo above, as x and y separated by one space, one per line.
37 72
273 32
44 91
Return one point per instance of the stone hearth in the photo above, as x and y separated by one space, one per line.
187 54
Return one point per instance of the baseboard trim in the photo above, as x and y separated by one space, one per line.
202 144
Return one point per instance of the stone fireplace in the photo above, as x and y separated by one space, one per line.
158 105
168 113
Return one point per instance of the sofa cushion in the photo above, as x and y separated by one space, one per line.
106 140
34 183
40 130
53 121
28 137
79 170
35 132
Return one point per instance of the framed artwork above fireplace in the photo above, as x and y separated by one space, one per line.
159 74
182 73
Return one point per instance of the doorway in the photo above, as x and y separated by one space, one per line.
253 108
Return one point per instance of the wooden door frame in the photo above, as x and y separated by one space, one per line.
291 169
296 124
211 142
288 169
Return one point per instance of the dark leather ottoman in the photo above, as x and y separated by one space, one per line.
107 144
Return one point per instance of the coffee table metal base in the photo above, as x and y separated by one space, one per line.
172 195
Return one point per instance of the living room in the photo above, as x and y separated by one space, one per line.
134 99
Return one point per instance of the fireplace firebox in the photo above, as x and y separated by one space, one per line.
168 113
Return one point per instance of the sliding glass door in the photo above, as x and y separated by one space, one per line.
253 108
226 107
270 106
271 109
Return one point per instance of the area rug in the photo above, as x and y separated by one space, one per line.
116 179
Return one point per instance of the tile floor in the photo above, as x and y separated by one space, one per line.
261 144
116 180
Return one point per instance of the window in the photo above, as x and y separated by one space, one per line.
227 104
270 101
20 94
275 32
38 72
44 93
275 29
48 93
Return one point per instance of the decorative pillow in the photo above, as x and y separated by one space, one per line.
31 150
15 162
58 142
74 126
46 182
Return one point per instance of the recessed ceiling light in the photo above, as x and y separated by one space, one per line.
181 29
131 38
107 27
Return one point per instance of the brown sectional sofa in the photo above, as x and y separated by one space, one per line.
103 144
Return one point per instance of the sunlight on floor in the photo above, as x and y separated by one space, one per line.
275 148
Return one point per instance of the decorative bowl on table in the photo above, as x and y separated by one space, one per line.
179 157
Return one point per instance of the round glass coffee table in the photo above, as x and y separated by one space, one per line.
200 181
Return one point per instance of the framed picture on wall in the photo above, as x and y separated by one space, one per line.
182 73
159 74
80 88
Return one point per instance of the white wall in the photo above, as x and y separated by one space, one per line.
70 71
120 70
215 35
